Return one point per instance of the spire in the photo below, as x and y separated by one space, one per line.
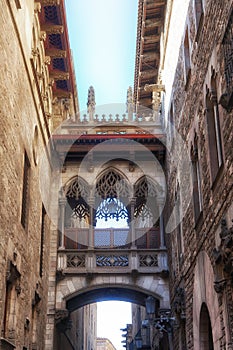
91 103
129 103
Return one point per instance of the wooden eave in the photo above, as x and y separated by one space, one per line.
75 147
57 47
150 22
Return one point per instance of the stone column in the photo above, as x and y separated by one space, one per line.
91 225
161 224
132 227
62 204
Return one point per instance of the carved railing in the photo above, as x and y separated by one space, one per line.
112 261
78 238
117 118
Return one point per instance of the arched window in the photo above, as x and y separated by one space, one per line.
187 59
77 214
213 126
196 175
77 208
146 208
205 333
112 212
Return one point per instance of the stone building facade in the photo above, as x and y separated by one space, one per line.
33 100
189 44
196 69
104 344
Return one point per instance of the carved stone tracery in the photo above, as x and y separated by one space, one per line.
112 185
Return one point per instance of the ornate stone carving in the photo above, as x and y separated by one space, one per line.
61 315
62 320
35 52
179 303
47 60
42 35
224 254
112 260
37 6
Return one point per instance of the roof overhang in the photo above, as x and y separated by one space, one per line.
57 47
133 146
150 24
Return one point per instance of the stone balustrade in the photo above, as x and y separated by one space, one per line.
112 261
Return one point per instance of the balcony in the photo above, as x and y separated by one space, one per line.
111 238
112 252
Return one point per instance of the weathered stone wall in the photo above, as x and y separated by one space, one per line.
20 116
190 118
26 106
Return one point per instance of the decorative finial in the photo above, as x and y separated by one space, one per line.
129 103
91 103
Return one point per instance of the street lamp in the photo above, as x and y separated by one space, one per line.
163 323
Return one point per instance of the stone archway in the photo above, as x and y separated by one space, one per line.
74 287
204 293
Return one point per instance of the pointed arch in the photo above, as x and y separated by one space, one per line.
204 293
77 211
205 331
146 192
147 187
111 183
112 194
77 187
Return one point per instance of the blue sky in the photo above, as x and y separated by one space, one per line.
103 41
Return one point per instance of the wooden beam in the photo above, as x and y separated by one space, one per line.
150 56
50 2
55 53
148 74
151 39
53 29
59 75
61 93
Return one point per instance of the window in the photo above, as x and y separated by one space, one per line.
25 195
214 134
187 61
226 99
197 192
12 291
199 16
205 336
180 243
42 238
